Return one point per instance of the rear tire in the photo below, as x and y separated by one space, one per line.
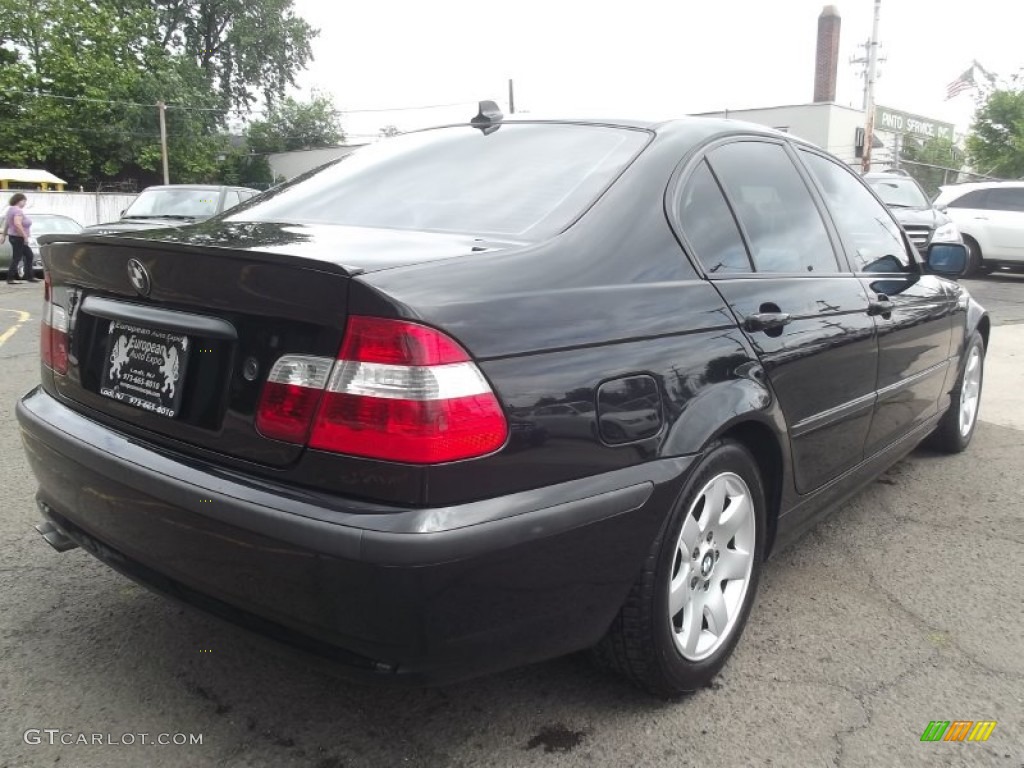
686 611
956 429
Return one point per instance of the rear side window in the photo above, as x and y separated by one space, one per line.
785 231
1006 199
872 238
709 226
521 181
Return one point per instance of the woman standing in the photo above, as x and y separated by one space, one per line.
18 228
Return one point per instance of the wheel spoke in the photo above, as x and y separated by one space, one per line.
679 591
693 624
733 518
732 564
690 537
716 611
714 503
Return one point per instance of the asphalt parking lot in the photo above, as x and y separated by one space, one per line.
904 607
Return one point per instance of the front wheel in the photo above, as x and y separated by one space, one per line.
687 609
975 263
956 428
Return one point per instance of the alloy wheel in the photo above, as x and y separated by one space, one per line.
712 567
970 392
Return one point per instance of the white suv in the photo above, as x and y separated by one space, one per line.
990 216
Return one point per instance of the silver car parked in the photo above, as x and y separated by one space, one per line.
42 224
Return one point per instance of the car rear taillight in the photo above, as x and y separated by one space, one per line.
399 391
53 338
291 395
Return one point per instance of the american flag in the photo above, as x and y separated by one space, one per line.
963 83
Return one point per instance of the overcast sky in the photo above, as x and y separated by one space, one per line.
644 58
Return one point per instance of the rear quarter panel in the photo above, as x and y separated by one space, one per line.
612 296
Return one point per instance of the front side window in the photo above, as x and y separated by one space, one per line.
524 181
709 226
771 201
872 238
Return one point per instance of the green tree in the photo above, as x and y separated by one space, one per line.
248 170
80 80
244 48
291 125
71 58
920 155
996 141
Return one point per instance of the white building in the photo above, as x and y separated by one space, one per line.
833 127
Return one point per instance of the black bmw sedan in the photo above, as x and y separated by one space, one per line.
486 394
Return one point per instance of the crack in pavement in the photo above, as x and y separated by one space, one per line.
918 622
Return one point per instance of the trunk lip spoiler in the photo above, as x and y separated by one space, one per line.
126 240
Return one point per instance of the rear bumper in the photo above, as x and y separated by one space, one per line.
429 595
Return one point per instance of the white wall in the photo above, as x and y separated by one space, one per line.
842 131
831 126
291 164
808 121
84 207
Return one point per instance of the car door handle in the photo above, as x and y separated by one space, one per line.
981 218
766 321
880 306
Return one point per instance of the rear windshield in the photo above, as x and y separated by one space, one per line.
521 181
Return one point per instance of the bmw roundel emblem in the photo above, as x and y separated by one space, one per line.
139 277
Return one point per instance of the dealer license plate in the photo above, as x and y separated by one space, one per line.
145 368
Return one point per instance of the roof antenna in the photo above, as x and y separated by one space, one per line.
488 120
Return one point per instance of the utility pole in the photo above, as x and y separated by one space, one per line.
869 106
163 139
511 98
862 73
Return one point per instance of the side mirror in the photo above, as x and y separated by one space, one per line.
121 214
947 259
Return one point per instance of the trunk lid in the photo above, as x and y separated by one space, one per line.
172 333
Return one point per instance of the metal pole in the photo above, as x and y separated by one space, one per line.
864 90
163 139
896 151
511 98
869 107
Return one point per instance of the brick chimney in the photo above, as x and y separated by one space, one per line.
826 62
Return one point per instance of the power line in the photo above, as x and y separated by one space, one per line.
117 103
155 135
234 109
404 109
